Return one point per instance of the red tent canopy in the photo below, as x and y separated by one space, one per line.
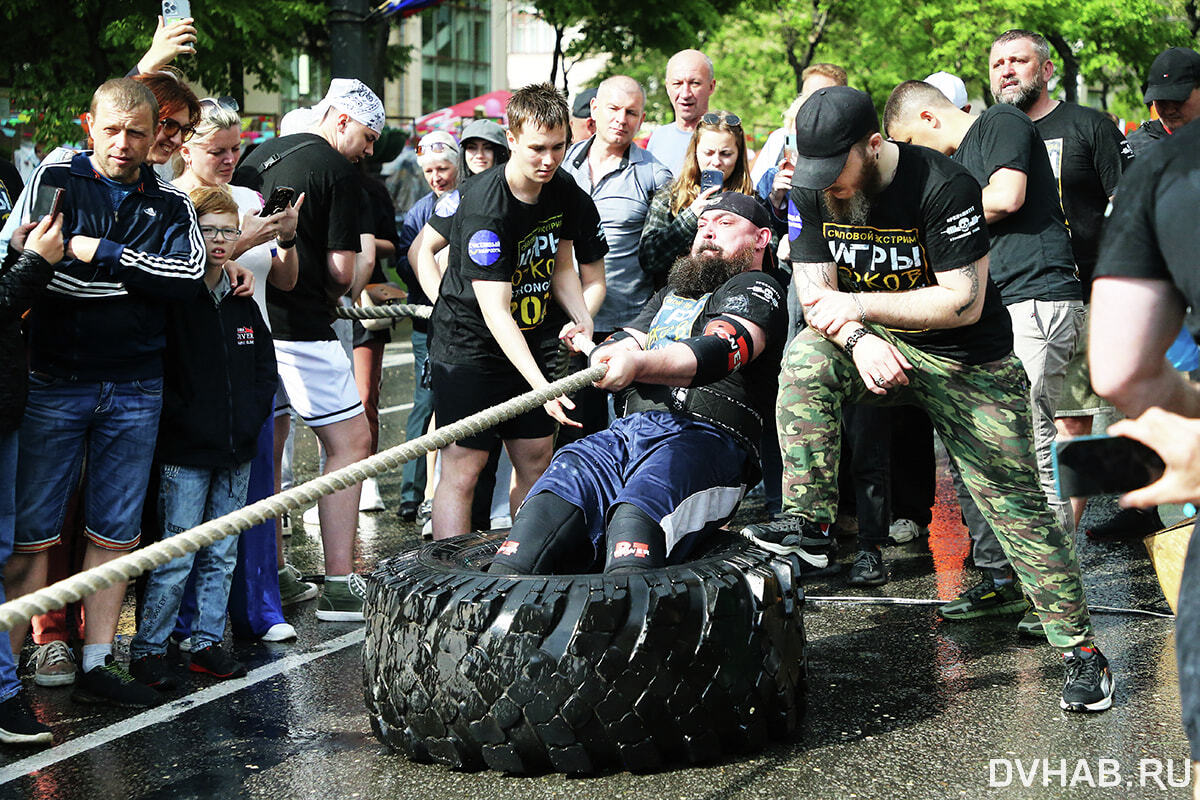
493 104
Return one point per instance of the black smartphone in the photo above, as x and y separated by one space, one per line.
710 178
280 198
47 201
1091 465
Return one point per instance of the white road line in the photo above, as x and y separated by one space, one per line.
173 709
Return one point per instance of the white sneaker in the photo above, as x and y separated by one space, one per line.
279 632
427 530
185 645
905 530
54 665
311 517
369 499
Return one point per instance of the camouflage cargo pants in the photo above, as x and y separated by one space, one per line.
982 415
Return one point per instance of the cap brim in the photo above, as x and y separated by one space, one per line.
818 173
1169 91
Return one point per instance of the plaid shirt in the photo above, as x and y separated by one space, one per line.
665 237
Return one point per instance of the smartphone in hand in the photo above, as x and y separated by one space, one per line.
1091 465
710 178
280 198
173 10
48 200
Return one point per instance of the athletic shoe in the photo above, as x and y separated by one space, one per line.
342 601
868 569
425 511
789 535
408 511
1089 682
292 590
213 660
985 599
54 664
279 632
1128 524
427 529
311 517
368 497
905 530
1031 625
18 725
113 685
153 671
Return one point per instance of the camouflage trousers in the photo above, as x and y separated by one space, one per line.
982 414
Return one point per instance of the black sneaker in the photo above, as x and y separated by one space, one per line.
18 725
985 599
789 535
153 671
113 685
213 660
408 511
1129 524
1089 682
868 569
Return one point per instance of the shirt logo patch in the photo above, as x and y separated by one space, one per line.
447 205
244 335
962 224
484 248
795 221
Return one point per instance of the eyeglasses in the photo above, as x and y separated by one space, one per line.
224 101
229 234
435 147
171 127
731 120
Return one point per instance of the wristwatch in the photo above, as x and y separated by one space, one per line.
852 340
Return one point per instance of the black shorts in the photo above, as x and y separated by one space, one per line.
459 392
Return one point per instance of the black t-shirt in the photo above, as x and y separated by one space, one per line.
1087 153
928 220
1031 255
495 237
329 220
1146 135
754 296
1152 232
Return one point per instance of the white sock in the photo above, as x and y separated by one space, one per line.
337 578
94 655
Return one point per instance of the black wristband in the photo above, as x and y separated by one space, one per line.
290 243
852 340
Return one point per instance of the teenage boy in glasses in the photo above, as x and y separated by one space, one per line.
512 230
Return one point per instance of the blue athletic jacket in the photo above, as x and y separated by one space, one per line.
105 321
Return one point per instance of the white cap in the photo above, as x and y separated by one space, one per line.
353 98
297 120
950 85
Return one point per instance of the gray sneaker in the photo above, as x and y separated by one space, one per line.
789 535
54 665
292 589
342 601
905 530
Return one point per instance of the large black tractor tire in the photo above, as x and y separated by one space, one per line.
577 673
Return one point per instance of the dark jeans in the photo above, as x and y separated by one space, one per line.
412 486
1187 646
867 431
913 465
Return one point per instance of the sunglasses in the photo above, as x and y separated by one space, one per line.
171 127
731 120
224 101
229 234
435 147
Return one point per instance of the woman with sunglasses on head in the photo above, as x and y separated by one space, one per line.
717 145
263 245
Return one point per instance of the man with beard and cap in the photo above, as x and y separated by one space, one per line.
1087 154
1173 91
696 372
889 253
1032 265
313 366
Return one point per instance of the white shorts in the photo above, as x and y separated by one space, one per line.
283 406
319 381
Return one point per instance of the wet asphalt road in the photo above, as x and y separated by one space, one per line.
901 704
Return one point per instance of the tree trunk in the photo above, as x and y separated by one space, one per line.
791 38
1193 17
559 30
1070 66
237 82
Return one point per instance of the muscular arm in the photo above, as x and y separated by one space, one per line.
423 254
1004 194
1132 323
673 365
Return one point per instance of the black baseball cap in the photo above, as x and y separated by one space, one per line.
741 204
1173 75
828 124
583 104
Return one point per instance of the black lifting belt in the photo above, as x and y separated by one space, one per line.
698 402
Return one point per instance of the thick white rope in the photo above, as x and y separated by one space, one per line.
130 565
390 311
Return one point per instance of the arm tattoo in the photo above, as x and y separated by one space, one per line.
817 274
971 273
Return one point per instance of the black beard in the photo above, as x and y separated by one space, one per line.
1027 95
856 209
695 276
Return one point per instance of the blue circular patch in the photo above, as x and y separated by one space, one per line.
795 221
447 204
484 248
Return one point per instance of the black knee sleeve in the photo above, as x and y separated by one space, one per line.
635 540
548 536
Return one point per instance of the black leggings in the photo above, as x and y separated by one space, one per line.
550 536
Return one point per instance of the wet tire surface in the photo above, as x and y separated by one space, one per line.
580 673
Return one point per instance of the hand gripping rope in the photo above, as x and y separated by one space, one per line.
130 565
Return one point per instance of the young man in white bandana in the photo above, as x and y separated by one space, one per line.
313 367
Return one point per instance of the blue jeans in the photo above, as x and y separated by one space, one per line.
116 424
187 497
9 684
1187 646
412 488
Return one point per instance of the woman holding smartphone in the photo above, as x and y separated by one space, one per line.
715 162
264 246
